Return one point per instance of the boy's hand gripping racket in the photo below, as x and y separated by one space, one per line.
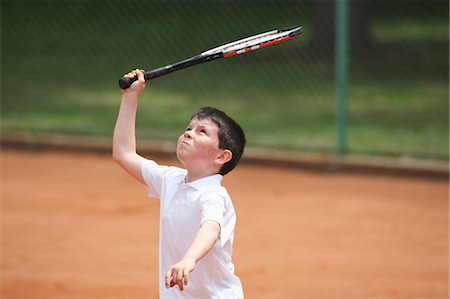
228 50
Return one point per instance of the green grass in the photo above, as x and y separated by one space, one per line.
61 62
414 114
410 30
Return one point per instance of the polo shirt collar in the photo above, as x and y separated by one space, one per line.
212 180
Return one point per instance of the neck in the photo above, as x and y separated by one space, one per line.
193 176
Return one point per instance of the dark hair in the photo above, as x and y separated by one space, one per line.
231 136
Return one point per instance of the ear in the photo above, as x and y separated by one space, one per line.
224 156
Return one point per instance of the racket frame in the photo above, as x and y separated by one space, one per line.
224 51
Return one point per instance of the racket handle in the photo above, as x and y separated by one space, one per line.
126 82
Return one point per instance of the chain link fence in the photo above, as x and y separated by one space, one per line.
60 61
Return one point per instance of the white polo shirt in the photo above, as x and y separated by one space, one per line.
183 208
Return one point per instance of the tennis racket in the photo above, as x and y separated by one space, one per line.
228 50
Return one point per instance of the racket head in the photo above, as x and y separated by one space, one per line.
255 42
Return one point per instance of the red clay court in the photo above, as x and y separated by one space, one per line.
76 226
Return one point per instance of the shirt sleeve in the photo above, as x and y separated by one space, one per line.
157 177
213 208
152 177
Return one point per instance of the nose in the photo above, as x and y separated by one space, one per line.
187 134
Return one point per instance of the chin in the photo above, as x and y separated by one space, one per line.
180 157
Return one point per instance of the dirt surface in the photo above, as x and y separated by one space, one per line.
76 226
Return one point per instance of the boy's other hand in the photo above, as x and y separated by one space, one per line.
178 273
138 86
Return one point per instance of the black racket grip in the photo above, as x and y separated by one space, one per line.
126 82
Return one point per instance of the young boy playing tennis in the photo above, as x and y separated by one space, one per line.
197 217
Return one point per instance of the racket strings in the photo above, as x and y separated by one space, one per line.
250 43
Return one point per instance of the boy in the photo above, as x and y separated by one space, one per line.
197 217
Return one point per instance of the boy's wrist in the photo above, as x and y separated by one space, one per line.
190 257
130 96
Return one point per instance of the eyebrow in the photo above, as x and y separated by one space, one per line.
200 126
209 123
207 129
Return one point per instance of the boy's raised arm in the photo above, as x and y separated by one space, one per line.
124 138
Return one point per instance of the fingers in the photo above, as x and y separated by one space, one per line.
179 280
137 72
138 84
177 277
185 277
168 279
140 75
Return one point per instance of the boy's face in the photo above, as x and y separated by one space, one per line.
198 146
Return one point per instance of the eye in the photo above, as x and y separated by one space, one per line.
188 129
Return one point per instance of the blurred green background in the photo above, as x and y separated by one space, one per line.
61 61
